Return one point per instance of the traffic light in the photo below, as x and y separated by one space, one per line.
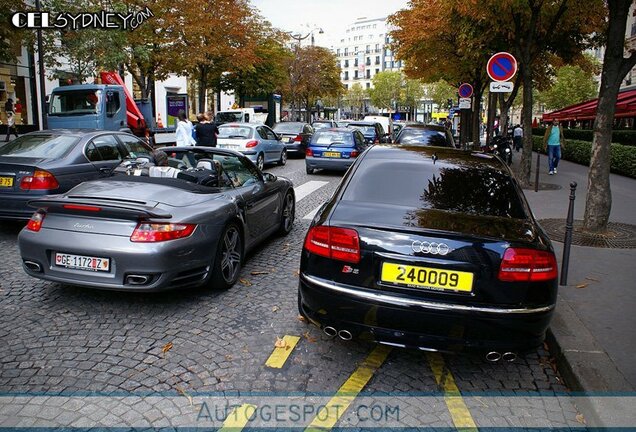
450 103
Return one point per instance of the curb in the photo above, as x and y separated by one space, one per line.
584 365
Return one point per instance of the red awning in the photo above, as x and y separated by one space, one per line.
625 107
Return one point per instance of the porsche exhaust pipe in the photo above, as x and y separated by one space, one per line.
330 331
33 266
137 279
345 335
493 356
509 356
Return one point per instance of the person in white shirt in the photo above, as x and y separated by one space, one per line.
517 137
184 131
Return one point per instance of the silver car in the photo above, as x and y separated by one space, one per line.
256 141
142 233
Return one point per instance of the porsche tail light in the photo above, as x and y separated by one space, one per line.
39 180
527 265
342 244
158 232
82 207
35 223
309 152
251 144
298 138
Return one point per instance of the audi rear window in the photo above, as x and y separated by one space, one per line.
39 146
477 191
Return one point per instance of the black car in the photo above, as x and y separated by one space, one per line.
425 135
373 131
430 248
295 136
53 161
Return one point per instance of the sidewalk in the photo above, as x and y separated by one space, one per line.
594 327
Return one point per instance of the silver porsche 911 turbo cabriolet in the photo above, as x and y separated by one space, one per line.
150 227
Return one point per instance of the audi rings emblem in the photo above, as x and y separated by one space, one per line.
430 247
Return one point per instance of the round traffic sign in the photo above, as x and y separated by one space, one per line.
465 90
501 66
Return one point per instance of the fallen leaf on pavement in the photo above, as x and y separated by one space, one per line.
259 272
583 285
580 418
245 282
275 309
281 343
301 318
309 337
183 393
228 357
167 347
297 273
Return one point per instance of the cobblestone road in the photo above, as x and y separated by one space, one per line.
72 342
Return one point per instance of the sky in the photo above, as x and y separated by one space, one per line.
332 16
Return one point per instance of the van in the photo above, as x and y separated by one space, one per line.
386 122
239 115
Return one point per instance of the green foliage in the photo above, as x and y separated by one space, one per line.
354 98
623 158
440 92
624 137
11 39
412 92
571 85
386 90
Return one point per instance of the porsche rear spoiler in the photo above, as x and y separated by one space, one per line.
93 206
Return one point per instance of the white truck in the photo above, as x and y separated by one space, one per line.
239 115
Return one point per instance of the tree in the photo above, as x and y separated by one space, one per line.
616 65
440 92
571 85
412 92
386 90
355 97
11 38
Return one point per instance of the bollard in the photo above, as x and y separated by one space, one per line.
536 178
567 242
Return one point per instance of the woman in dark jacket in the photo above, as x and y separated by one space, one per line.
206 131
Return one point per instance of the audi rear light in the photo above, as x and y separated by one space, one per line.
309 152
251 144
527 265
40 180
35 223
341 244
298 138
158 232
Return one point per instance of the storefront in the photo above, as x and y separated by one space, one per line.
17 82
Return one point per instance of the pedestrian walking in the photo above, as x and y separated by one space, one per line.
553 140
184 130
206 131
9 110
517 137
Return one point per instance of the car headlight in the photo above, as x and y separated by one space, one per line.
507 150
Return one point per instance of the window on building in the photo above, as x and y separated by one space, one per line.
368 49
368 73
355 75
375 25
368 85
338 52
355 61
377 60
346 63
377 71
346 86
346 76
368 61
345 52
377 47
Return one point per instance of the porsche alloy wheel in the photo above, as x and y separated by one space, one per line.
229 257
289 211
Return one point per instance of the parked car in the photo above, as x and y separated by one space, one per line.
256 141
324 124
147 233
373 131
295 136
430 248
334 149
53 161
385 121
425 135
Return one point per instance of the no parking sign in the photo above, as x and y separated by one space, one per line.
501 66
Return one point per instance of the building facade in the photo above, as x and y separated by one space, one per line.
363 52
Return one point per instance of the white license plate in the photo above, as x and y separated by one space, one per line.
229 146
81 262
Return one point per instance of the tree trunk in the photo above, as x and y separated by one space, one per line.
525 165
503 116
598 203
476 116
201 89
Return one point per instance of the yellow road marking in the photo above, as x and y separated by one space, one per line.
238 418
454 402
337 405
280 355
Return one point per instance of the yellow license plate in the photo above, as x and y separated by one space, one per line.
426 277
331 154
6 181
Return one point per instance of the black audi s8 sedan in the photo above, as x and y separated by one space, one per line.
429 248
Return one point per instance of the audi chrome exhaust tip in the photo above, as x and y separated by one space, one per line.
493 356
509 356
33 266
137 279
330 331
345 335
